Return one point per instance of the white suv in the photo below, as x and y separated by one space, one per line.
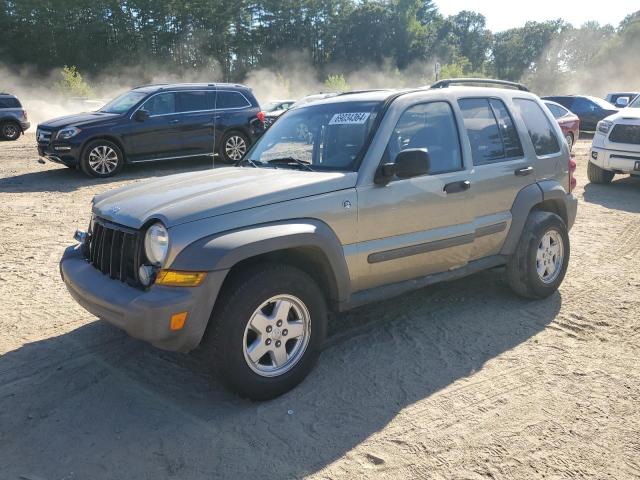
616 145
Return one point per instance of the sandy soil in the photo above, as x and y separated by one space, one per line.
461 380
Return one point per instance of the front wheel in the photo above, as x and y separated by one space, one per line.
538 266
267 330
599 175
101 158
233 147
10 130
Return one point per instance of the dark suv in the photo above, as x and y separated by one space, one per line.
155 122
13 118
590 110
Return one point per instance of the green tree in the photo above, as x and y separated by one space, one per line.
72 84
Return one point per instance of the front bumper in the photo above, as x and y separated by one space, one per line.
621 161
142 314
61 152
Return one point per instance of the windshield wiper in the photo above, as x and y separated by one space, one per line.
253 163
291 161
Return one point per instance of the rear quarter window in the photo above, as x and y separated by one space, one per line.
540 130
9 102
231 100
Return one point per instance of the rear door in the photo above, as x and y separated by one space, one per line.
158 136
196 121
501 170
421 225
232 112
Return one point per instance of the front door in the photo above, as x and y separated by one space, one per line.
196 121
417 226
158 136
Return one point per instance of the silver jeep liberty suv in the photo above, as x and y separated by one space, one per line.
388 191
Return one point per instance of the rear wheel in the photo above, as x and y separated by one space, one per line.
10 130
233 147
569 138
599 175
267 330
102 158
537 267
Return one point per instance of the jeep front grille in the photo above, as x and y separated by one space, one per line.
115 250
625 134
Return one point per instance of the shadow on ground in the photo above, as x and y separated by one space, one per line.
57 178
621 194
94 403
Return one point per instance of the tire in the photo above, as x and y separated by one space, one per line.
598 175
233 146
102 159
524 266
247 306
569 138
10 130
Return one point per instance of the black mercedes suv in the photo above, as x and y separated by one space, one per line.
155 122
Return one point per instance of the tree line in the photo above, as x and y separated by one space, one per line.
230 38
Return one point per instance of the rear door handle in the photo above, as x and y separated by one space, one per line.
456 187
174 121
521 172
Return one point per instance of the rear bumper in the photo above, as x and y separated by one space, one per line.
622 161
24 126
142 314
572 209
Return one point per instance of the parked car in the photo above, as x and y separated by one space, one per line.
621 99
302 128
155 122
387 194
273 110
13 118
568 121
590 110
615 148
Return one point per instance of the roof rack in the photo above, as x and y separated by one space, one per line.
487 81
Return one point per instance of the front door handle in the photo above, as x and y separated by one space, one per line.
174 121
456 187
521 172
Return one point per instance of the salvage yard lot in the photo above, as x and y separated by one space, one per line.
459 380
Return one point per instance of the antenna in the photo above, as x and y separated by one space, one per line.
215 121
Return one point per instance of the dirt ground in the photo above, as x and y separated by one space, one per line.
460 380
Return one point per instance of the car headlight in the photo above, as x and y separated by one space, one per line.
67 132
156 244
604 126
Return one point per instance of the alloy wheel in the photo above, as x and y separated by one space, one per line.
235 147
10 131
277 335
550 256
103 159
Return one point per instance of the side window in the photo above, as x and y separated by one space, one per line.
492 135
231 100
192 101
431 126
540 129
582 105
161 104
556 111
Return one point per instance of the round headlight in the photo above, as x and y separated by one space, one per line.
156 244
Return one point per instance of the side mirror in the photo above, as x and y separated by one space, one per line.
622 102
412 162
141 115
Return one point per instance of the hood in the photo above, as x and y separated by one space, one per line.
625 114
187 197
79 120
274 113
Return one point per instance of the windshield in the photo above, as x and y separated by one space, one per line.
635 103
272 106
124 102
323 137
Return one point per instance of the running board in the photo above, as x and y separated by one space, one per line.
386 292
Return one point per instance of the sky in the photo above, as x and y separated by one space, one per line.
505 14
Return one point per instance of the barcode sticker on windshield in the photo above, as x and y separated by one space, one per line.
349 118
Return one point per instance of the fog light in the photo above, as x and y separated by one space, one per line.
594 155
177 320
146 273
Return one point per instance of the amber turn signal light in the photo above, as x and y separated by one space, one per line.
177 320
176 278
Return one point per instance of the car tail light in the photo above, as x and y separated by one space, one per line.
572 168
261 116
